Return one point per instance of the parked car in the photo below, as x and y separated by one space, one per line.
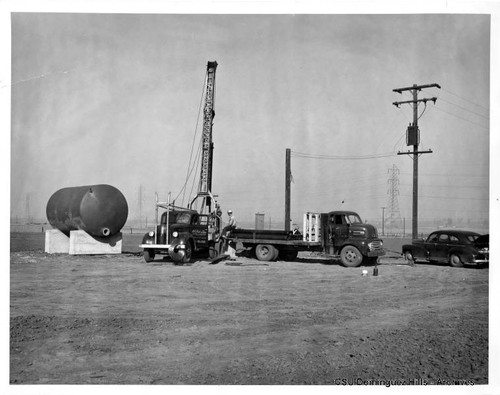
456 247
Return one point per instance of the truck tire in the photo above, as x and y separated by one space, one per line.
187 253
265 252
351 256
181 256
149 255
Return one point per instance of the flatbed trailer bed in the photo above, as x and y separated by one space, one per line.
268 244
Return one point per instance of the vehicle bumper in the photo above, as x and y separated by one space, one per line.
478 262
374 253
160 247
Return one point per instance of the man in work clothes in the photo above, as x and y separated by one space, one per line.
231 224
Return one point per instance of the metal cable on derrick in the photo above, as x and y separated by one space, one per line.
191 163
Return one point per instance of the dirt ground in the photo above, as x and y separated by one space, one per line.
118 320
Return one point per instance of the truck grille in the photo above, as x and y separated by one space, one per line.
375 245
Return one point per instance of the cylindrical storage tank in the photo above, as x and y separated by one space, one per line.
99 210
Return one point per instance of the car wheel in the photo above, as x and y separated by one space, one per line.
455 261
409 257
149 255
350 256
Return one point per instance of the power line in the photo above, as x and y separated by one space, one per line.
461 175
464 99
451 186
463 119
450 197
338 157
465 109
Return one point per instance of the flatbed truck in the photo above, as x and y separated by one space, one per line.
337 234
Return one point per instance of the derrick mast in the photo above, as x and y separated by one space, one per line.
205 185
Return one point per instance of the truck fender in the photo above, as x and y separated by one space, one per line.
180 250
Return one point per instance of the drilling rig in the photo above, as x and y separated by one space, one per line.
180 232
205 186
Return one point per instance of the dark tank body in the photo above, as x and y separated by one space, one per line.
100 210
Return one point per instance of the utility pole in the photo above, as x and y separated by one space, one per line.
288 179
413 138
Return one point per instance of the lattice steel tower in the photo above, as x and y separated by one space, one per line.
394 220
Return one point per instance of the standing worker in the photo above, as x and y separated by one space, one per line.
231 224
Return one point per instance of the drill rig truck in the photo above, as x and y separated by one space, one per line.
181 231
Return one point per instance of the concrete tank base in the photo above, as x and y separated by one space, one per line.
80 242
56 242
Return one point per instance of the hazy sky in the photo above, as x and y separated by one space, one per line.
114 98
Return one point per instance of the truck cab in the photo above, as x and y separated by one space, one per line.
180 233
344 233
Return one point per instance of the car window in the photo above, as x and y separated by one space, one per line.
433 238
454 239
337 219
443 238
472 238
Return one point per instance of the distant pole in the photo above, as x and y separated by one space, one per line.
383 210
288 180
413 138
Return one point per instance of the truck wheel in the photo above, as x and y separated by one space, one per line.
149 255
180 256
350 256
455 261
265 252
187 253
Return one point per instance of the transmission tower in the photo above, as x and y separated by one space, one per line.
27 208
140 201
394 220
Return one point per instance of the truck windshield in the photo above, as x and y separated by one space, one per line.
183 218
353 219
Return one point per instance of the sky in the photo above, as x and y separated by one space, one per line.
113 98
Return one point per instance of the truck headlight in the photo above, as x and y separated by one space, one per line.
151 234
175 234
